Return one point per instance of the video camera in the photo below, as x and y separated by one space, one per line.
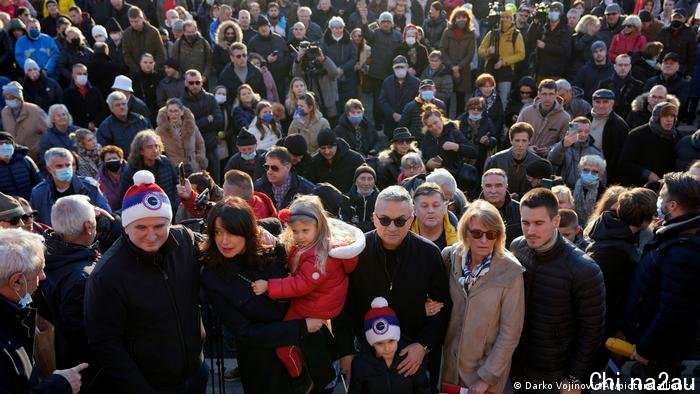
494 17
541 13
308 61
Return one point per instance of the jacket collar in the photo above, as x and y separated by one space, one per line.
683 224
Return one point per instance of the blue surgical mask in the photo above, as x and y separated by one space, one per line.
34 34
249 156
659 209
299 113
651 62
267 118
355 119
26 299
12 104
64 174
427 95
589 179
474 118
6 150
554 16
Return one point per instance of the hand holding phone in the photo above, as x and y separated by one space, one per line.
181 171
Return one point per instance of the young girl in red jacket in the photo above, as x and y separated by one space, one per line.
321 252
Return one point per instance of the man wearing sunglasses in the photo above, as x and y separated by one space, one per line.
280 182
407 270
11 212
241 71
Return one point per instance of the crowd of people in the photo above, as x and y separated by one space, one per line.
395 196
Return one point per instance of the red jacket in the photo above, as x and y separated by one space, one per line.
623 43
262 205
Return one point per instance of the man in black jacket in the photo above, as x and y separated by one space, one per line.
564 299
623 84
84 101
334 162
552 44
241 71
142 300
609 131
494 184
660 315
272 47
281 183
407 270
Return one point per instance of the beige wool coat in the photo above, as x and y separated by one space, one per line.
28 127
485 325
187 148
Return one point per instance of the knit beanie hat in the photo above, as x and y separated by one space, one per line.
381 322
326 137
365 168
598 45
14 89
98 30
244 138
145 199
539 169
9 207
30 64
296 144
663 109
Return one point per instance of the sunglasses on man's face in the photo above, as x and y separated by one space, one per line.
242 55
272 168
192 83
15 220
490 235
398 222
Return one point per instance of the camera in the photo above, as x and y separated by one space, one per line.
494 16
308 61
541 13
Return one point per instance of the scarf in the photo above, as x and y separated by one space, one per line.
91 156
470 277
585 199
659 131
490 100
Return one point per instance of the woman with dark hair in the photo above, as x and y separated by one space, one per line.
458 44
234 257
243 108
264 127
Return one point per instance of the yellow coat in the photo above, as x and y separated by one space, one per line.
63 7
509 53
448 228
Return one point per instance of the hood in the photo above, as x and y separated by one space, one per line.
640 102
219 40
328 37
576 92
60 254
348 241
609 227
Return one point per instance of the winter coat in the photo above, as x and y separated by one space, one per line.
565 304
485 323
607 32
581 51
188 146
417 56
202 105
663 295
318 292
433 29
640 113
43 92
383 46
411 115
136 43
641 70
370 374
394 96
147 337
53 138
165 174
451 160
615 133
589 76
687 151
362 208
645 152
683 43
442 77
254 167
69 57
145 85
325 86
565 160
310 131
389 168
517 181
169 88
613 247
87 109
230 80
220 56
43 196
267 142
18 376
362 139
113 131
508 51
264 46
110 188
458 52
27 128
675 85
548 129
625 43
19 176
103 69
196 55
577 106
299 185
43 50
551 61
340 172
485 126
626 90
344 55
255 321
242 116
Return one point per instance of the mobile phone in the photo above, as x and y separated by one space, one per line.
573 128
181 171
547 183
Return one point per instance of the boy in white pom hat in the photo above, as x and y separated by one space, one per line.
374 370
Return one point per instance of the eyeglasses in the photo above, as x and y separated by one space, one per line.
191 83
490 235
241 55
401 142
274 168
386 221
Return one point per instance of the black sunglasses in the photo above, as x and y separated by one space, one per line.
268 167
194 82
526 92
15 220
490 235
240 56
398 222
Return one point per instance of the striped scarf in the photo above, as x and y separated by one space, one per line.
469 277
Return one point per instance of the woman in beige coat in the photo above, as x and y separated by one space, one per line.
181 138
486 287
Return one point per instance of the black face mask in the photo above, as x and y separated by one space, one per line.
676 25
75 42
113 165
190 38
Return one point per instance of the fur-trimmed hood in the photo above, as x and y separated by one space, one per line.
640 103
219 40
188 123
189 148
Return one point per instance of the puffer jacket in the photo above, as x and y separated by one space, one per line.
188 147
314 291
53 138
459 52
625 43
202 105
341 171
687 151
27 128
362 208
433 29
565 310
452 161
20 175
220 57
565 160
664 293
383 46
548 129
590 75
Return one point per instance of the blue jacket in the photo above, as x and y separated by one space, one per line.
300 185
55 139
43 50
20 175
113 131
43 198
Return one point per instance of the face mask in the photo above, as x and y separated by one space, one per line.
249 156
220 98
554 16
100 39
267 118
113 165
299 112
12 104
676 24
410 41
474 117
64 174
461 24
6 150
75 42
659 209
355 119
116 37
34 34
25 300
651 62
588 179
400 72
427 95
81 80
190 38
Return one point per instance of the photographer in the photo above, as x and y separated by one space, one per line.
320 74
551 41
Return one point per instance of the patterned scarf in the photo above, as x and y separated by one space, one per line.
490 100
93 156
469 277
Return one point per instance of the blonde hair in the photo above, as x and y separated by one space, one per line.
606 202
290 104
488 216
563 190
308 209
584 22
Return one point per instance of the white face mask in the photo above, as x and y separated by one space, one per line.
81 80
116 37
410 40
220 98
400 72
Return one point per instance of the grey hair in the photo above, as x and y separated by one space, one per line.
56 153
56 107
114 96
69 214
20 251
443 178
495 171
413 158
594 160
395 193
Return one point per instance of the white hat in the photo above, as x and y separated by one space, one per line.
122 82
145 199
381 322
386 17
99 30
